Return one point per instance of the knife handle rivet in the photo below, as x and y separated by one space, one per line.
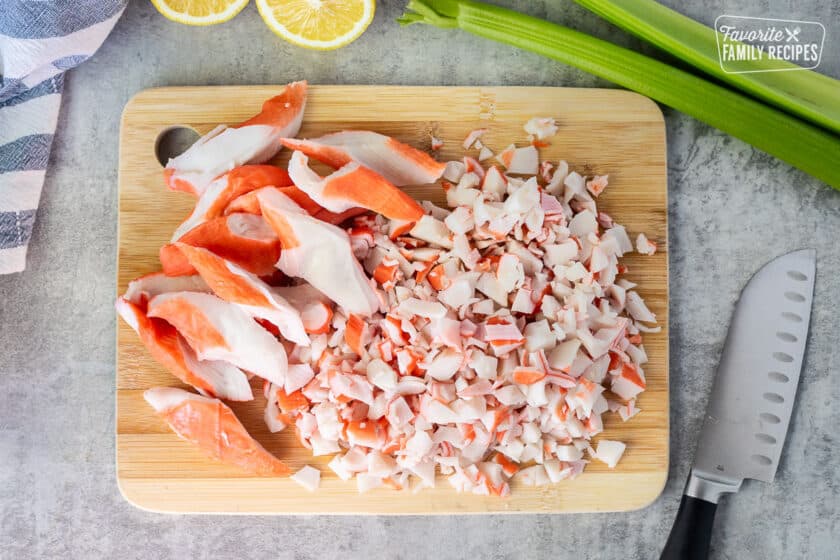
774 398
794 296
796 275
778 377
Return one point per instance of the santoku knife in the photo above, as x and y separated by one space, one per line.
752 399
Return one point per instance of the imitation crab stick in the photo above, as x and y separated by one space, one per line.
253 141
399 163
212 426
244 239
250 203
213 378
233 184
142 289
319 253
236 285
218 330
354 186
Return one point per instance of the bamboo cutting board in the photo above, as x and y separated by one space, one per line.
601 131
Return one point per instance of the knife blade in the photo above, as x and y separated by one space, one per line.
752 398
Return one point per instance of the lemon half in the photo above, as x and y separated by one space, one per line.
199 12
318 24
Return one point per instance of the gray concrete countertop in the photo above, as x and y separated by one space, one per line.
731 209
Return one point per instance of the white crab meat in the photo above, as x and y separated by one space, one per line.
254 141
520 161
610 452
319 253
217 330
308 477
645 246
541 127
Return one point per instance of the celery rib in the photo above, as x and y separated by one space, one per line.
804 93
799 143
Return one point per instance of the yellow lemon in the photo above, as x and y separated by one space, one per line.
318 24
199 12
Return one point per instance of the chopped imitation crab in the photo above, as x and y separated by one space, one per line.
610 452
238 286
319 253
597 184
399 163
541 127
482 341
645 246
473 137
244 239
354 186
221 192
250 202
217 330
144 288
211 426
523 161
253 141
308 477
213 378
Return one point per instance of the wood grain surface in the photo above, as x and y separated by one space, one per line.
601 132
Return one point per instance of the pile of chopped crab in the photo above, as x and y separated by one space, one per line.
483 341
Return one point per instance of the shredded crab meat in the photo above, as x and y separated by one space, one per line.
541 128
483 341
494 354
645 246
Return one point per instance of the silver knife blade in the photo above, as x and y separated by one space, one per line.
752 399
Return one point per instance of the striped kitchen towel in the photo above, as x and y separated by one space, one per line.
39 41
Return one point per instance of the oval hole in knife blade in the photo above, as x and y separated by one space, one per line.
770 418
762 460
774 398
778 377
765 438
792 317
786 336
796 275
794 296
783 357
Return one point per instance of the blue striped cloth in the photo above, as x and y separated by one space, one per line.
39 41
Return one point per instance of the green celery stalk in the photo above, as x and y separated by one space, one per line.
799 143
804 93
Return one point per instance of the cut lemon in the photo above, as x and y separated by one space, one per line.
317 24
199 12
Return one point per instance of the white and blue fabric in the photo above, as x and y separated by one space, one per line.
39 41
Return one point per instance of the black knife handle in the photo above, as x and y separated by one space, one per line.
692 531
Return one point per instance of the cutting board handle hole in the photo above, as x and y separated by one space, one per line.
174 141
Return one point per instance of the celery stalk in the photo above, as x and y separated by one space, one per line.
799 143
804 93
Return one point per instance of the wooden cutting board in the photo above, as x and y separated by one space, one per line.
601 131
